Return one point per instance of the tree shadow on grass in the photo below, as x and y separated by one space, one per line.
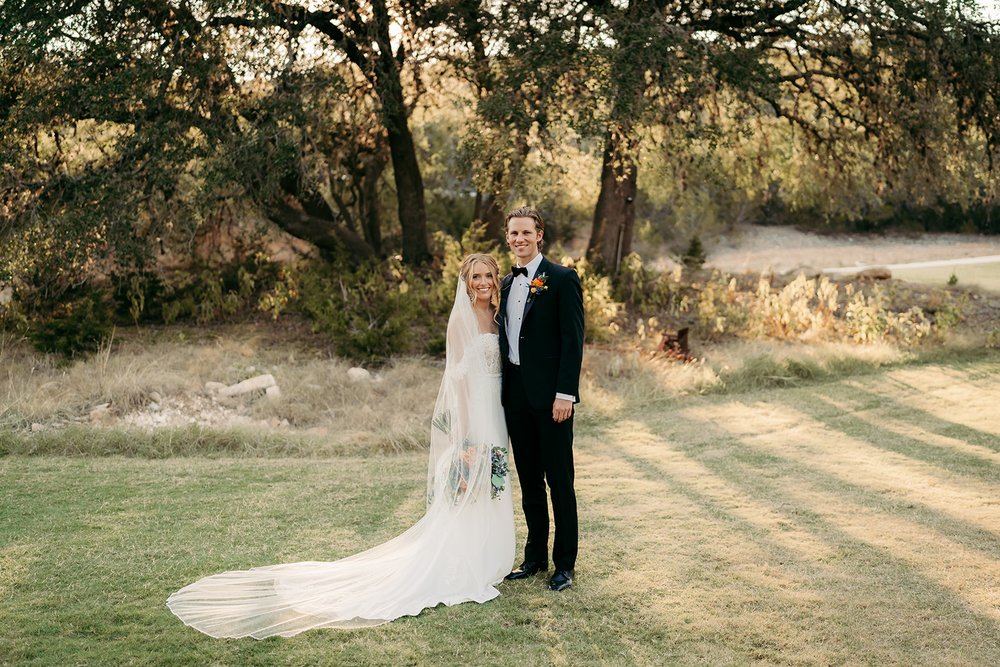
824 406
866 576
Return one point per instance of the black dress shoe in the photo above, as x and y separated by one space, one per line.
561 580
526 569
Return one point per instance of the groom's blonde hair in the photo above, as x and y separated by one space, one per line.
526 212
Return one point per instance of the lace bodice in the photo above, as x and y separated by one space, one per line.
490 344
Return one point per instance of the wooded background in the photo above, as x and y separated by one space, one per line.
131 132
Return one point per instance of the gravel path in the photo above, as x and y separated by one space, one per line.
784 249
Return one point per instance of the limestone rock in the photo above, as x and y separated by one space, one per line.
100 413
358 374
273 393
247 386
214 387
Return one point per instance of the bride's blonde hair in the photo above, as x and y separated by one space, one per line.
465 272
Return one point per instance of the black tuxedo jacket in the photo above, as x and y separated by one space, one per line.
551 338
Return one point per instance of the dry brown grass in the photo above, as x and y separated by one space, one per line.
318 400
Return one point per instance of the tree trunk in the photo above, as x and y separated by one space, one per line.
324 233
614 215
489 205
409 192
405 168
488 211
368 204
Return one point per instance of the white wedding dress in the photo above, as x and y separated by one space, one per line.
457 552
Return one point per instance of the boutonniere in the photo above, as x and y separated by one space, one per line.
537 285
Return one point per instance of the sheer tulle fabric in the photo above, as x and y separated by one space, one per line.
457 552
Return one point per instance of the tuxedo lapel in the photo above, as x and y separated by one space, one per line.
543 267
504 293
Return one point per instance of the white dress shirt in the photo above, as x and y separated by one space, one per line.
517 297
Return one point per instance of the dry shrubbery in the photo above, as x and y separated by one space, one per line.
720 305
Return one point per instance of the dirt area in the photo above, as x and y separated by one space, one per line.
783 249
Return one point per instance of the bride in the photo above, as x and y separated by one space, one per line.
457 552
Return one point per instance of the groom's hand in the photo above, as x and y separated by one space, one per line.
561 410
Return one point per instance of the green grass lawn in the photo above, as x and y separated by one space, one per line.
847 521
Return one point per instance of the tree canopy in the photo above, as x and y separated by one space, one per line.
129 126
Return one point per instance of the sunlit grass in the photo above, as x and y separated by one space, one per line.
774 504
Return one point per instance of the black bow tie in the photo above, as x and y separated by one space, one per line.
520 271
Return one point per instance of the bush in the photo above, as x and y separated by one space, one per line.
599 306
800 309
202 293
371 314
74 327
694 257
12 318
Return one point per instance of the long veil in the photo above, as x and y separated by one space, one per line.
456 552
457 466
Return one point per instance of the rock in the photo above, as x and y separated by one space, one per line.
214 387
874 273
807 271
36 427
273 393
6 295
100 413
153 407
358 374
247 386
155 397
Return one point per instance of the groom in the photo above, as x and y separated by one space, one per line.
541 341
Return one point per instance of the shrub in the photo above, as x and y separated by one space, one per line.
74 327
451 252
802 308
12 317
369 313
599 306
868 318
203 293
694 257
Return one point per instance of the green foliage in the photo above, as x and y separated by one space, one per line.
694 256
599 306
868 318
651 291
371 313
993 339
12 317
202 294
948 312
74 327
